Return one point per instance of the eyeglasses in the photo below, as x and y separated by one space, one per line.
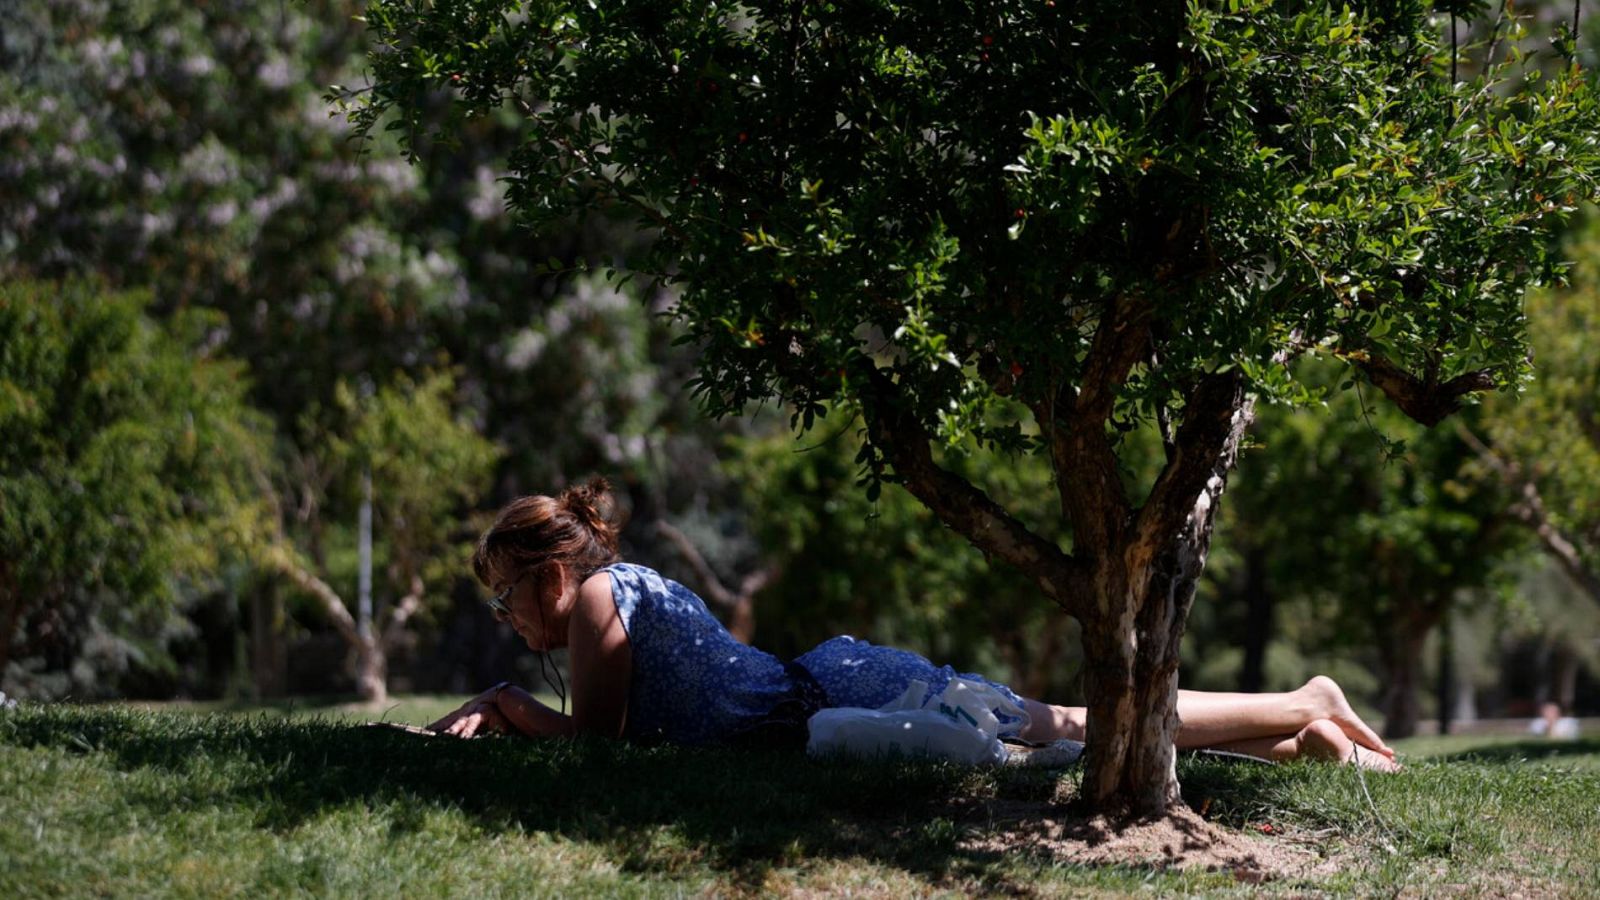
497 603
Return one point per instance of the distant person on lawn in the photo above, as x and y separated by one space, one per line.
650 663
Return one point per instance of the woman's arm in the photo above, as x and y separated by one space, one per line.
598 652
602 668
531 717
601 660
504 708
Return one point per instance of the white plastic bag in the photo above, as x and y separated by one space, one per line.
958 724
975 702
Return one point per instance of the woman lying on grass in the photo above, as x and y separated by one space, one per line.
650 662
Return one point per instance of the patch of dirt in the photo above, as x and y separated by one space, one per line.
1181 841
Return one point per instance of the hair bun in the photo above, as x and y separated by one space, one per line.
591 503
574 527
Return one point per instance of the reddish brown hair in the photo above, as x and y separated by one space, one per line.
574 528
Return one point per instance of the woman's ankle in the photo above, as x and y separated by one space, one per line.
1320 698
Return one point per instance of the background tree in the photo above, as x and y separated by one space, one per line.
1025 225
419 462
1549 634
186 147
1352 514
124 466
1544 446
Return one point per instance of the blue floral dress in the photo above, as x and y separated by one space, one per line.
693 683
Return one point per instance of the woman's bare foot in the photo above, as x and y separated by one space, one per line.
1326 739
1328 698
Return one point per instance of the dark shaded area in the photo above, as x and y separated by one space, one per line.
741 812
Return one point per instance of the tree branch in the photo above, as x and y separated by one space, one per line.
739 607
1120 343
1179 553
281 559
757 581
716 591
1208 430
1092 494
895 430
1425 401
402 613
1530 510
276 553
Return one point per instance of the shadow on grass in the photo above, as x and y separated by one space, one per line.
1532 749
655 809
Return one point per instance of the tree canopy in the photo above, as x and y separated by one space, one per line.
959 178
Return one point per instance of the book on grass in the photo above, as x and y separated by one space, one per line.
401 726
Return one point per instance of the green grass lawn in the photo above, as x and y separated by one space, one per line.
134 802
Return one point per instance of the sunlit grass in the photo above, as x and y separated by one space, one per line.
1583 753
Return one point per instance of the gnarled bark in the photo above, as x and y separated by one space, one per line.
1133 673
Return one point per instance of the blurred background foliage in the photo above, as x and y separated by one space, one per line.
220 317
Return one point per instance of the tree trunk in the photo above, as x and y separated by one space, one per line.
1132 762
1131 574
1564 679
371 667
1402 706
267 652
1258 621
372 670
10 613
1445 697
1133 657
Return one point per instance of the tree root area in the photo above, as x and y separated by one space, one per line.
1181 840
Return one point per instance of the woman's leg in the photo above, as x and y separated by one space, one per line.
1218 719
858 673
1048 723
1322 739
1212 719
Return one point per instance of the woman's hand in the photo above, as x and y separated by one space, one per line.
480 715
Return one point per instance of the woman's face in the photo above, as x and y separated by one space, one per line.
534 598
